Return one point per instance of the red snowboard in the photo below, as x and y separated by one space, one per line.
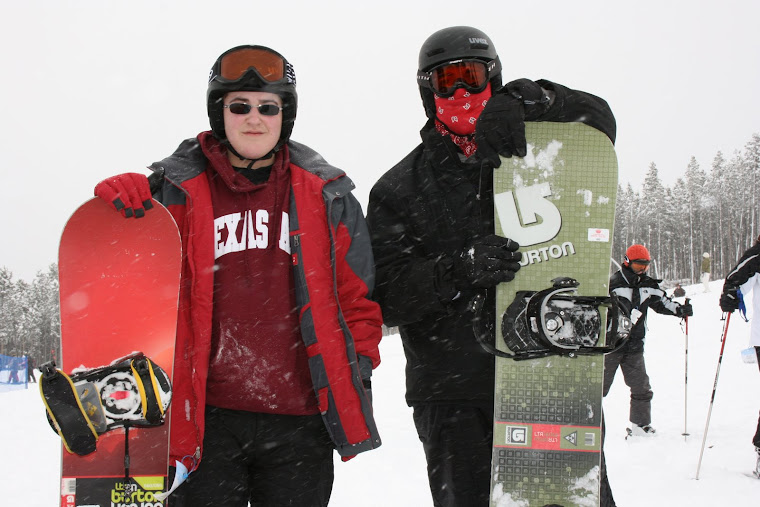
119 287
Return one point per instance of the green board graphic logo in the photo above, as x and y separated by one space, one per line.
519 212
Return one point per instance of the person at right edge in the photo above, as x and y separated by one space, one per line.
431 221
742 279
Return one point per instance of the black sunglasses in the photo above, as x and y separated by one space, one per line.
243 108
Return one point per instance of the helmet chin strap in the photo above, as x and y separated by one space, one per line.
253 160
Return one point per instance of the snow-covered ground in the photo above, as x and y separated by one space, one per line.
652 472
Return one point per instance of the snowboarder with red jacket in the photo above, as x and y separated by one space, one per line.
277 333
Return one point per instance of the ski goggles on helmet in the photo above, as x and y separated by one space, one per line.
471 74
268 65
640 265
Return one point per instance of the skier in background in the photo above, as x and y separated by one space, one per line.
704 271
742 279
638 293
13 374
679 291
30 369
432 223
277 335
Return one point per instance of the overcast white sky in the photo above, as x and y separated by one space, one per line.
93 88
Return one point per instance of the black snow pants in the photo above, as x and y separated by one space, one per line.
630 359
457 440
268 460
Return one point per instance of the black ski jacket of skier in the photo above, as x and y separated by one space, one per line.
746 277
640 292
747 267
422 213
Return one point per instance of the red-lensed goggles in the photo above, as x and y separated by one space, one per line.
270 66
472 75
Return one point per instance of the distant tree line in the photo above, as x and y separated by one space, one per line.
29 316
714 211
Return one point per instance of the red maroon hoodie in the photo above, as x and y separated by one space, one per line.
258 361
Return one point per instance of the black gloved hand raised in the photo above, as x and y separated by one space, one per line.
684 310
534 98
729 300
486 262
500 129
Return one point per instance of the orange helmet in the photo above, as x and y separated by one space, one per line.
636 253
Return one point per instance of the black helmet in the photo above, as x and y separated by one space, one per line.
453 43
255 69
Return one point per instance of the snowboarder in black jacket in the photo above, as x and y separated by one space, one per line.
637 293
431 220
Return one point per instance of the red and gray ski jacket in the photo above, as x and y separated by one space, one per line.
334 276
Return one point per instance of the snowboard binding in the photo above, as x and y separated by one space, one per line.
132 392
556 321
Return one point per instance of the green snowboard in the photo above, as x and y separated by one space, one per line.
558 203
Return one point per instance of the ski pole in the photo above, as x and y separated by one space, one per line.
715 386
686 376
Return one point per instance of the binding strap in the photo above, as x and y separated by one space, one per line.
69 417
147 384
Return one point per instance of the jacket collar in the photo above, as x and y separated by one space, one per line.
444 157
637 280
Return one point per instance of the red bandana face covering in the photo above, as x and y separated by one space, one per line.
460 111
465 143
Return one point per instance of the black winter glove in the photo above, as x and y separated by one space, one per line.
486 262
535 100
684 310
729 300
500 129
